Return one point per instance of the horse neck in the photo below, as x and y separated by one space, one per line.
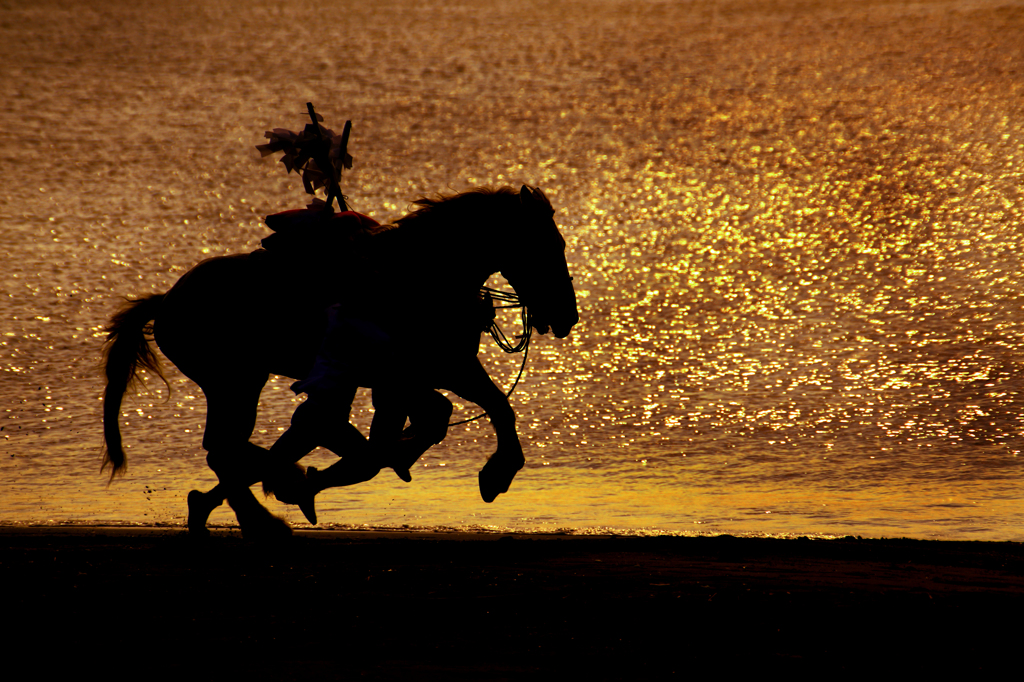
459 257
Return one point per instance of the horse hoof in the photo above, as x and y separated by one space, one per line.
496 477
308 510
265 528
308 505
273 531
198 514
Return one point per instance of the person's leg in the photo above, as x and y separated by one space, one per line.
393 443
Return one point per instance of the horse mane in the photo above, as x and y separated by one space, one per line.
442 205
446 209
445 225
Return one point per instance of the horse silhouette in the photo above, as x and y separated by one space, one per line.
231 321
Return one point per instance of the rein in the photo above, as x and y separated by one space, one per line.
511 300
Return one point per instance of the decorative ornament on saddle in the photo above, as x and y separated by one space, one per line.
310 240
317 154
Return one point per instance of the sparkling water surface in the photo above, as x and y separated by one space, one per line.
794 227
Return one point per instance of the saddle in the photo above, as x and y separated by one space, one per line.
323 253
306 231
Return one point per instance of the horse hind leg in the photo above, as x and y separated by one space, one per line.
200 506
231 418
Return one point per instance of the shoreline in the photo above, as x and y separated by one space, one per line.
464 534
395 605
483 531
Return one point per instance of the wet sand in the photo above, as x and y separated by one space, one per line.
390 605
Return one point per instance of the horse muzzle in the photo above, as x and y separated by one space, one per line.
561 314
561 332
560 328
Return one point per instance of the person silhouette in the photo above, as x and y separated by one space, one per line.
361 352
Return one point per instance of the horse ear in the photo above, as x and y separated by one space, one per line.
541 198
534 199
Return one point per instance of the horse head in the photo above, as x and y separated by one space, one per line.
535 266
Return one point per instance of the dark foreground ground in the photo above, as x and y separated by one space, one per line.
156 604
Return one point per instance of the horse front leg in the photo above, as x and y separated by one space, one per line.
474 384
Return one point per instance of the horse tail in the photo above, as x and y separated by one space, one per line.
127 349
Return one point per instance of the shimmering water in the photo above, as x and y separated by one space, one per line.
795 231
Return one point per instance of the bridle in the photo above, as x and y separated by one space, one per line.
530 198
510 300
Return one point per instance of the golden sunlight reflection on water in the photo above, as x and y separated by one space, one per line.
793 227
